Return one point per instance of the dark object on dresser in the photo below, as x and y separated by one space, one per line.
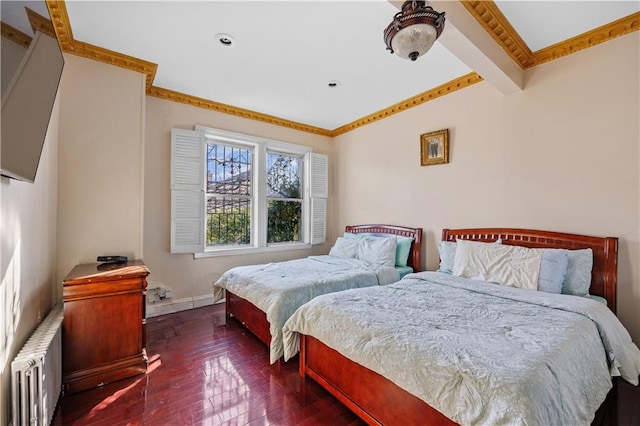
112 259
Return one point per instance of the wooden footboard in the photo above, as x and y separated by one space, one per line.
373 398
378 401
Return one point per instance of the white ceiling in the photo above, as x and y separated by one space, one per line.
286 52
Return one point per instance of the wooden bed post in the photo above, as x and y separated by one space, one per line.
611 273
302 355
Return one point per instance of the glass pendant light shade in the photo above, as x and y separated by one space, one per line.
414 41
413 30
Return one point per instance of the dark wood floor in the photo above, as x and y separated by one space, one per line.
205 372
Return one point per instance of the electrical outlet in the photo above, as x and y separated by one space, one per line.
167 293
153 295
163 292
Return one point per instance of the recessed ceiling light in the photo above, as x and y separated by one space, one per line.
226 40
333 83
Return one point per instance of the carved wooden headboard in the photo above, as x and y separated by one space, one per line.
415 233
604 275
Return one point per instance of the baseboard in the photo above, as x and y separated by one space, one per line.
176 305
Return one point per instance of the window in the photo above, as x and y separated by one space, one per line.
233 193
229 195
284 198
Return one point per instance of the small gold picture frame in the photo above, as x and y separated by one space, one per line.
434 148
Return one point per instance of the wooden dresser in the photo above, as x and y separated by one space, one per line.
103 334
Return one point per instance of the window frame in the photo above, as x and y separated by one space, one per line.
260 147
304 207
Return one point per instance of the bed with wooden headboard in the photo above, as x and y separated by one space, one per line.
604 274
255 319
378 400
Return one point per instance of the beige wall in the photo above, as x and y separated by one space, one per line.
28 287
188 277
562 155
100 163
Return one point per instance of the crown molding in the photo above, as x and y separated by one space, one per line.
493 21
452 86
64 34
62 27
40 23
110 57
170 95
615 29
485 12
37 22
15 35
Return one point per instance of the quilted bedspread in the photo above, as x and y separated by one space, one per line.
278 289
479 353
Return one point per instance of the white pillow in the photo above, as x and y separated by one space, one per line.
345 247
512 266
447 250
379 251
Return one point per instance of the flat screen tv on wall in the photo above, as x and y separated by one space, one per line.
32 64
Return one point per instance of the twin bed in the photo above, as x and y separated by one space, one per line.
434 348
263 297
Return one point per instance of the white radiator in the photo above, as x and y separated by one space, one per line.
37 373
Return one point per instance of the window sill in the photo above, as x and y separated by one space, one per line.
251 250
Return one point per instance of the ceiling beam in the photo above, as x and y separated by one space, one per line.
468 41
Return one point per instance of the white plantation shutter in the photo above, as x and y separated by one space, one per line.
319 220
318 192
187 191
319 175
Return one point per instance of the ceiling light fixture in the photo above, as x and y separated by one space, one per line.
413 30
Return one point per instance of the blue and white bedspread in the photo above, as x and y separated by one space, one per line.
278 289
479 353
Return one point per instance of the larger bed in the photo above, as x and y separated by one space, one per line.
436 349
263 297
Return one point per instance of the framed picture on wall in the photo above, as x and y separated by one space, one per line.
434 147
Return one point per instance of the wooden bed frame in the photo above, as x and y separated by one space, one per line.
255 319
377 400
